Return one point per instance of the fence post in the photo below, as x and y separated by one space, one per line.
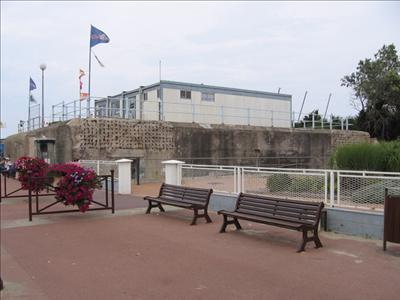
235 180
313 121
341 122
193 112
347 123
326 186
331 125
52 113
124 176
332 189
248 116
98 167
272 118
173 171
63 110
74 108
338 188
222 114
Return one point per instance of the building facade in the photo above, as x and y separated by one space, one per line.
199 103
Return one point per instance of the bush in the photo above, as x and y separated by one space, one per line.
383 157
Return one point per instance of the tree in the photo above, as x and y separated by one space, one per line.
376 87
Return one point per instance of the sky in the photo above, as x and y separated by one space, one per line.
295 46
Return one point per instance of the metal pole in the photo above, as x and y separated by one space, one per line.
29 110
327 105
90 69
42 97
302 105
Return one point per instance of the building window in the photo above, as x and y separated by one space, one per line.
145 96
158 94
208 97
186 94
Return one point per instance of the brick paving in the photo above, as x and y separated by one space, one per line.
130 255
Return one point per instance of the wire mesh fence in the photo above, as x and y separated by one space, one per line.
348 189
221 178
365 190
294 184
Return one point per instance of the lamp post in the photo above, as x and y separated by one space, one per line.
43 67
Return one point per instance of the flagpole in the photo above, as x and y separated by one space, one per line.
90 68
29 107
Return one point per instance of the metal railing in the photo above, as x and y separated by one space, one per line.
179 111
101 166
336 188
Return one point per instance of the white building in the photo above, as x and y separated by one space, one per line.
200 103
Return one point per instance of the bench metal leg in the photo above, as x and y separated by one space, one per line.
223 227
208 219
227 222
317 241
237 224
304 242
151 205
196 214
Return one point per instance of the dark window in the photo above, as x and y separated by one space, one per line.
186 94
158 94
145 96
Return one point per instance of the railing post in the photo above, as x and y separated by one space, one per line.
313 121
326 187
338 188
331 125
248 116
74 108
63 111
52 113
193 112
341 122
112 192
98 167
235 180
222 114
173 171
124 176
332 188
347 123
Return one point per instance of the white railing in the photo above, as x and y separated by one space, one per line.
102 167
179 111
336 188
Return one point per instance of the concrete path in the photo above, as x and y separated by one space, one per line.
130 255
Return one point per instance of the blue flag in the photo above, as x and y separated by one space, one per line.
97 36
32 85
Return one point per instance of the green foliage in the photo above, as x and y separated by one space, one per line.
322 123
376 87
384 156
293 183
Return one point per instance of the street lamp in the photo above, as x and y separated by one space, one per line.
43 67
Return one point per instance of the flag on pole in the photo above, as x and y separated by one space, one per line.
32 85
97 36
81 73
98 60
31 99
84 96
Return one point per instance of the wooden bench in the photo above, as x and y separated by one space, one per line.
291 214
181 196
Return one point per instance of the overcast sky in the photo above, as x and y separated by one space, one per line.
295 46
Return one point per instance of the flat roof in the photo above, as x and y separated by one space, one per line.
208 88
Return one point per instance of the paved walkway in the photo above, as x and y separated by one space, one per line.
130 255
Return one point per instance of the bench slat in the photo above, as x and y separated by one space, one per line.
264 215
284 200
283 203
302 215
262 220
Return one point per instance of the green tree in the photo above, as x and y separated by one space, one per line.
376 87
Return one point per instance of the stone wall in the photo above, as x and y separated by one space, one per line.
154 141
